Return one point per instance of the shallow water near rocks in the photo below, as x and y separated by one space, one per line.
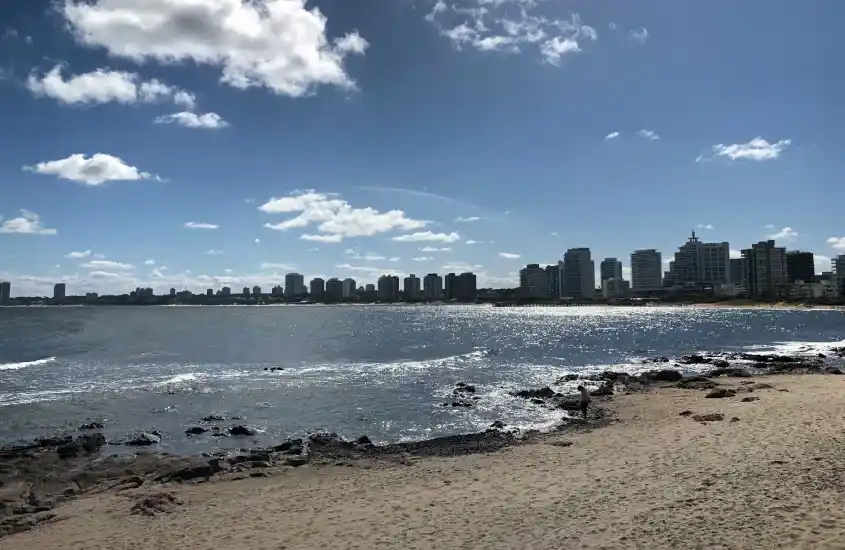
383 371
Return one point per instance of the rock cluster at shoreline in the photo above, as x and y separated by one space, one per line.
36 477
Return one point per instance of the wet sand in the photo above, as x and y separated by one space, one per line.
653 479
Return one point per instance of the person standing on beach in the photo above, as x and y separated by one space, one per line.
585 400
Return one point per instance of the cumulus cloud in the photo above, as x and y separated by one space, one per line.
424 236
640 35
206 121
837 243
29 223
334 217
786 234
281 45
648 134
422 259
99 265
435 249
612 135
102 86
758 149
201 225
96 170
461 267
509 255
79 255
149 262
509 27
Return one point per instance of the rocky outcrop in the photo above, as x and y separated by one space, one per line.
462 387
720 393
143 439
664 375
708 417
696 383
541 393
240 430
729 371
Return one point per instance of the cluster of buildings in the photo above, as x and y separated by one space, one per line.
763 271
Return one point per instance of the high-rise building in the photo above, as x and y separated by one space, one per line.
370 288
294 285
348 289
256 291
554 272
334 289
800 266
765 271
225 291
465 287
433 287
173 292
617 287
699 264
59 292
5 292
318 287
610 268
209 292
646 270
411 288
579 274
838 265
736 271
533 282
388 288
449 285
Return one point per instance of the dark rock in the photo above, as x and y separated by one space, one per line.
213 418
498 424
720 363
196 430
822 356
363 441
258 474
538 401
693 359
461 387
734 419
568 403
750 399
696 383
190 468
542 393
560 443
92 443
605 389
296 461
832 370
709 417
685 413
720 393
664 375
91 426
144 439
291 444
240 430
761 386
567 378
730 371
461 404
69 450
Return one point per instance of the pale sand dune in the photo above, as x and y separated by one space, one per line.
652 480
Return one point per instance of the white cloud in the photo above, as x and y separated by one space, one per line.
461 267
734 253
370 257
273 265
553 233
79 255
705 226
206 121
201 225
648 134
822 263
335 216
214 252
553 50
640 35
758 149
149 262
467 219
472 241
99 265
509 255
257 241
366 269
102 86
425 236
334 239
29 223
278 44
837 243
786 234
96 170
435 249
422 259
769 226
612 135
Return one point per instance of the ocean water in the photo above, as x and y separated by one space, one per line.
377 370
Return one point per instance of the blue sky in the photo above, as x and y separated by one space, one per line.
200 144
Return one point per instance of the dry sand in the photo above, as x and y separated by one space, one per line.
654 479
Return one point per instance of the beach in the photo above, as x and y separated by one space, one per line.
650 479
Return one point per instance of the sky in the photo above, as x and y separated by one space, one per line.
200 144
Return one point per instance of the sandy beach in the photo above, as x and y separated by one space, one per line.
774 478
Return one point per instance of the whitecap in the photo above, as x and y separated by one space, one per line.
23 365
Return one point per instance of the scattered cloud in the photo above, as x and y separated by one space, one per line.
214 252
648 134
460 267
640 35
201 225
553 233
273 265
321 238
257 241
612 135
107 265
734 254
366 269
837 243
769 226
705 226
472 241
422 259
370 257
207 121
786 234
428 236
96 170
149 262
509 255
822 263
281 45
758 149
467 219
29 223
335 217
435 249
79 255
103 86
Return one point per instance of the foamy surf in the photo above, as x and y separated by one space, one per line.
25 364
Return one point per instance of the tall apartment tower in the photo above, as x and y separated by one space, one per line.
646 270
700 264
411 288
579 274
59 292
800 266
533 282
294 285
610 268
5 292
433 287
388 288
764 269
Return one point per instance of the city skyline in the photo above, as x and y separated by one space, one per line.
410 137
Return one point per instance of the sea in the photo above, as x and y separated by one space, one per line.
384 371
